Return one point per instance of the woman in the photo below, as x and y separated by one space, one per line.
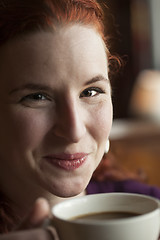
55 100
54 92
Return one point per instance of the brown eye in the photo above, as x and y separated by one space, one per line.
35 97
36 100
38 97
91 92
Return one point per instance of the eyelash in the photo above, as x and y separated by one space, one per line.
42 97
96 89
35 97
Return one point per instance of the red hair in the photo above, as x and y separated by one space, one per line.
22 16
19 17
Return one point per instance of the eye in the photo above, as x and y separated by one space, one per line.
35 97
91 92
35 100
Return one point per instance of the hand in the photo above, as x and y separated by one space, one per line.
38 216
34 225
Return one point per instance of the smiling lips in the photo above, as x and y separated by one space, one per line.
67 161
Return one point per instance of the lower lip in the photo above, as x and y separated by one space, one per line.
68 165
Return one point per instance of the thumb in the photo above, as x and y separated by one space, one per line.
38 215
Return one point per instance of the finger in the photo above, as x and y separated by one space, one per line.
53 233
38 215
34 234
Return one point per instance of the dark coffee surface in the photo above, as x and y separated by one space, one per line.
106 216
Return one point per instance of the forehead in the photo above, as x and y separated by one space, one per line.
74 49
63 37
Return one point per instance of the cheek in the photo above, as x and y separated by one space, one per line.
23 129
34 127
102 122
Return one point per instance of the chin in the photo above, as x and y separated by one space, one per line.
67 192
69 189
68 186
68 195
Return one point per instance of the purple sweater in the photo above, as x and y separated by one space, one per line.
127 186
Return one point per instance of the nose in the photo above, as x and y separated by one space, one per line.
70 123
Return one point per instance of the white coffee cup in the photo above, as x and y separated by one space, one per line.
145 226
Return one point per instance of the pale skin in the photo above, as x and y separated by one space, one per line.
56 99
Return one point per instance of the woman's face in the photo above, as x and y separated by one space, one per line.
56 110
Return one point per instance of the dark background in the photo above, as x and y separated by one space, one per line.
130 46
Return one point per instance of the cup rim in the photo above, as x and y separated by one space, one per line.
140 217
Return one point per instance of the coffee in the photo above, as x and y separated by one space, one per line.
121 207
101 216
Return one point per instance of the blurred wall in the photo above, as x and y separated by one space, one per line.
119 26
155 31
135 31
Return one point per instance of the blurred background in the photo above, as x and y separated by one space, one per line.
135 31
135 36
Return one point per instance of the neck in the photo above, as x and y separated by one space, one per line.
55 200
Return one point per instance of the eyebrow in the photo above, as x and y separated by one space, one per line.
38 87
97 79
31 86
